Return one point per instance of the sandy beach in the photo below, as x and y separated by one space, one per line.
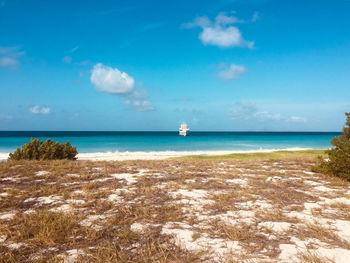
182 210
161 155
158 155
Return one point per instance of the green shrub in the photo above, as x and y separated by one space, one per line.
48 150
338 162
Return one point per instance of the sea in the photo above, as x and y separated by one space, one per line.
110 145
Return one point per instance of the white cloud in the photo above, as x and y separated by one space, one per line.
232 72
36 109
9 56
201 21
223 19
221 33
223 37
67 59
256 16
109 80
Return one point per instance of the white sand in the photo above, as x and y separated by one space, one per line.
138 228
46 200
71 256
115 198
120 156
62 208
237 181
90 220
129 178
339 255
73 175
195 198
4 156
16 245
7 216
184 237
41 173
4 194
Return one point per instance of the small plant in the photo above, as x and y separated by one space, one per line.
338 162
48 150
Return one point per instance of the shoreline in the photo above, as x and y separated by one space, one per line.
161 155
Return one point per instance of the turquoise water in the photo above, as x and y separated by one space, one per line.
89 142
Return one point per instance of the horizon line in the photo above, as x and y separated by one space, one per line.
154 131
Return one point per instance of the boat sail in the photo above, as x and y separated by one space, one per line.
183 129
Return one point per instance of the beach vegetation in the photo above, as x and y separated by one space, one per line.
37 149
89 211
301 154
338 161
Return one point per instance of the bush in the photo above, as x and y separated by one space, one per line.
48 150
338 163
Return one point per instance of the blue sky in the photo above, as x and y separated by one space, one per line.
150 65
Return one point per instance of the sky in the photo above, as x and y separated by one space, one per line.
230 65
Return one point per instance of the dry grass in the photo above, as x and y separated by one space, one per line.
259 155
82 206
44 227
313 257
323 233
151 251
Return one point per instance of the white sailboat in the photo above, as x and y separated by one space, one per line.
183 129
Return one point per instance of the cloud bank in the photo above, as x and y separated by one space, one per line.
36 109
221 32
110 80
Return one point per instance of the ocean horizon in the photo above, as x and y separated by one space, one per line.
151 144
